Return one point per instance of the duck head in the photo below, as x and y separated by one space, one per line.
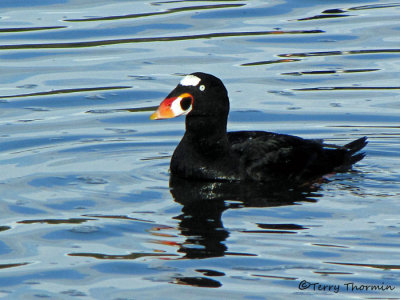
197 94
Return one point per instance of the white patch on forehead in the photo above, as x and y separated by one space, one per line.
190 80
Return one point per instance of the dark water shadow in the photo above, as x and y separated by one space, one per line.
25 29
340 13
151 14
327 14
129 256
57 221
338 52
4 228
374 266
7 266
329 72
295 57
97 43
375 6
67 91
115 110
204 202
348 88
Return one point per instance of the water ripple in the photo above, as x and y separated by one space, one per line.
88 207
168 11
152 39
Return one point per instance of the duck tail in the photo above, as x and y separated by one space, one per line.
354 147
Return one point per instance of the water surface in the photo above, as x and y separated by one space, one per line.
86 208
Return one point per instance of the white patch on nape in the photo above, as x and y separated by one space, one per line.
190 80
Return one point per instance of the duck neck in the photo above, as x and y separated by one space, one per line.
207 134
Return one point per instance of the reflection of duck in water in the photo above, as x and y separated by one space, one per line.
204 202
208 152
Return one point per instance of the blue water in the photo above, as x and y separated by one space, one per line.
86 208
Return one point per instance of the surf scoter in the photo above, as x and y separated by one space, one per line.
208 152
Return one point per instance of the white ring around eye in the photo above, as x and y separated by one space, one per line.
177 109
202 87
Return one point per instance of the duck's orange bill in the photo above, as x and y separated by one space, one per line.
164 111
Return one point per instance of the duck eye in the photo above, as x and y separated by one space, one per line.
186 103
202 87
